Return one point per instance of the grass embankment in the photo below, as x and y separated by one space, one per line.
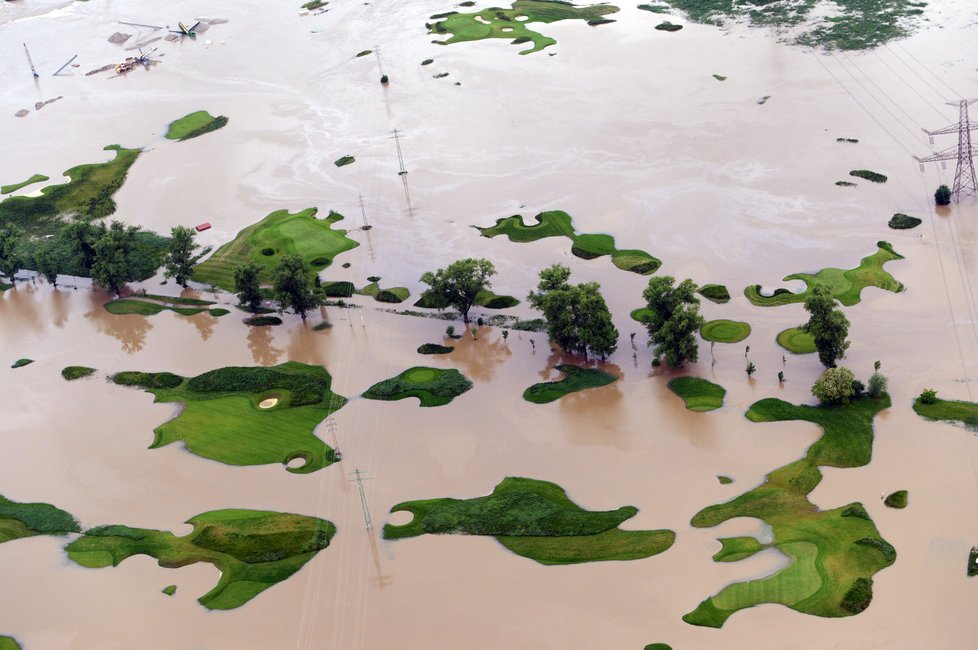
393 295
36 178
841 24
900 221
557 223
833 553
280 233
714 292
252 549
955 412
725 331
495 22
194 125
846 285
699 394
221 419
575 379
432 386
896 500
534 519
72 373
20 363
795 341
19 520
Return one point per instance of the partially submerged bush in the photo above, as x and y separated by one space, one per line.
872 176
76 372
896 500
434 348
835 386
902 221
943 195
859 596
263 321
147 380
928 396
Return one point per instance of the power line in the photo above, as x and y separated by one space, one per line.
965 180
360 478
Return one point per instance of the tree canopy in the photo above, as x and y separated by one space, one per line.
458 284
672 319
178 261
828 326
10 237
577 316
247 286
293 287
112 261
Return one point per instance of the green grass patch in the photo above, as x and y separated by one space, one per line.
699 394
434 348
196 124
284 233
874 177
896 500
263 321
345 160
557 223
511 24
341 289
36 178
488 300
393 295
724 480
795 341
846 285
18 520
222 418
719 77
169 590
575 379
657 646
20 363
124 306
734 549
87 196
534 519
725 331
955 412
312 5
9 643
72 373
656 9
830 551
432 386
364 53
845 184
848 140
666 26
714 292
901 221
253 549
218 312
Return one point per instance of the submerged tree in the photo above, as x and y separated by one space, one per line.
47 265
577 316
112 263
834 386
178 261
293 287
246 285
82 236
458 284
10 237
943 195
828 326
673 319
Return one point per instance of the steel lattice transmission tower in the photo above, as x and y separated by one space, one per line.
965 181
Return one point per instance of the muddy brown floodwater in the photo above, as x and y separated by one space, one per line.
627 131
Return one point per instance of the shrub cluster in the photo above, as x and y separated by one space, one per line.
147 380
306 388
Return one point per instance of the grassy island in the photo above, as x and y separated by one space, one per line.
36 178
434 348
699 394
714 292
280 233
246 416
725 331
137 305
393 295
833 553
252 549
534 519
510 24
557 223
20 363
432 386
796 342
846 285
18 520
194 125
575 379
871 176
72 373
345 160
956 412
900 221
896 500
9 643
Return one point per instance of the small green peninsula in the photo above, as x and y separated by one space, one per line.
194 125
246 416
432 386
575 379
253 549
534 519
19 520
698 394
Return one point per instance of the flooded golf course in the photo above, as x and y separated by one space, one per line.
627 130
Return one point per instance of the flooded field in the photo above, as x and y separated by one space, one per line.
626 130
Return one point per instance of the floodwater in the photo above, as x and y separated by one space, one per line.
627 131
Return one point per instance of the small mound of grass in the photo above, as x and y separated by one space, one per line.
432 386
896 500
489 300
427 62
146 380
973 562
666 26
169 590
72 373
194 125
341 289
845 184
734 549
125 306
724 480
9 643
714 292
699 394
36 178
901 221
319 327
434 348
656 9
20 363
218 312
956 412
847 140
263 321
364 53
796 342
719 77
725 331
393 295
868 175
345 160
575 379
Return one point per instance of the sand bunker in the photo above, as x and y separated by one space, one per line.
268 403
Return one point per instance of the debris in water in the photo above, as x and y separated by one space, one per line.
22 113
763 100
119 38
39 105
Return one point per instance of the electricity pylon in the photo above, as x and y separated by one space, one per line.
965 181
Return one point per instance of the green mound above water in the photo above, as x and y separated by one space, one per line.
495 22
725 331
393 295
845 285
557 223
434 348
432 386
253 549
534 519
715 292
699 394
901 221
575 379
345 160
20 363
796 342
955 412
486 299
194 125
223 420
9 643
71 373
124 306
833 553
896 500
283 233
36 178
18 520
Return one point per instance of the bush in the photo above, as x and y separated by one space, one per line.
715 292
943 195
306 387
856 510
320 261
877 385
874 177
896 500
883 546
263 321
859 596
834 386
76 372
147 380
928 396
858 387
338 289
903 222
268 252
434 348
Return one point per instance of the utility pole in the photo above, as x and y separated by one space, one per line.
965 180
360 478
65 66
400 157
363 212
331 427
31 63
